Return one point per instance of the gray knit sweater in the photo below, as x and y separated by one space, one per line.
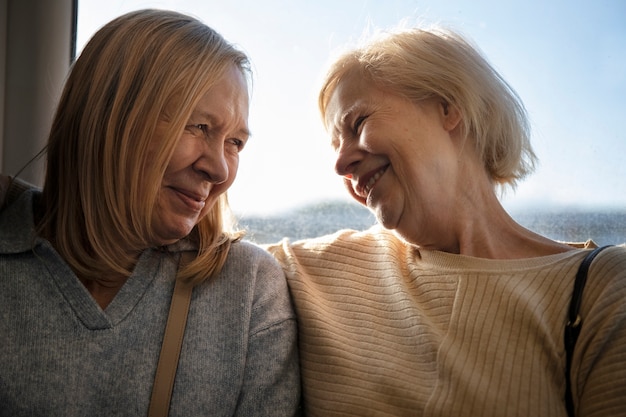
62 355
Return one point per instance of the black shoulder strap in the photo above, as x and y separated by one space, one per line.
574 322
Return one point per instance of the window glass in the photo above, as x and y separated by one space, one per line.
566 60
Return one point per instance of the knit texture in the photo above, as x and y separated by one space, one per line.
62 355
388 330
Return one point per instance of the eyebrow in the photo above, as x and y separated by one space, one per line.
348 113
337 128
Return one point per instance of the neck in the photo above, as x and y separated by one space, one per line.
484 229
102 282
104 292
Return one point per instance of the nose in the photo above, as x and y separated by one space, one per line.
348 157
212 163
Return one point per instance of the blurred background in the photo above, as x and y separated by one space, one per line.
565 58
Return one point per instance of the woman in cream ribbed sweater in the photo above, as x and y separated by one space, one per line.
449 307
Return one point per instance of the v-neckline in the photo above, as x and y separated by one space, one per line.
86 308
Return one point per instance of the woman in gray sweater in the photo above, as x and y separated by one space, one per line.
143 147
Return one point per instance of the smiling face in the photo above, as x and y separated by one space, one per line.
399 158
205 160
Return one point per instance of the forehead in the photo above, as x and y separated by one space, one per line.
350 93
226 100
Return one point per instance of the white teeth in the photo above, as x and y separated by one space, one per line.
373 180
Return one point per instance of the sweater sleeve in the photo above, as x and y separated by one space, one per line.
271 385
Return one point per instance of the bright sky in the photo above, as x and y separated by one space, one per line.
565 58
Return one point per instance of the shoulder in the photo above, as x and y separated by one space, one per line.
603 311
605 288
11 189
252 264
345 250
260 280
609 266
250 275
17 228
244 251
610 262
617 251
345 240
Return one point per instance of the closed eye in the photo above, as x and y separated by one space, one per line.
237 143
358 122
197 129
203 130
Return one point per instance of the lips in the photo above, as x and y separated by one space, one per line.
193 200
367 181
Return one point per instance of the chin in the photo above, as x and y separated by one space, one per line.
387 224
384 218
392 223
381 211
167 236
169 239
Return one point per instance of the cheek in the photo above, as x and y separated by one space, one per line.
233 167
184 155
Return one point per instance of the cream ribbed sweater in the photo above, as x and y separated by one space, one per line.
386 330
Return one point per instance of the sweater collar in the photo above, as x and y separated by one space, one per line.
17 225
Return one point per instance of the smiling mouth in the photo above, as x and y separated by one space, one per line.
365 189
191 200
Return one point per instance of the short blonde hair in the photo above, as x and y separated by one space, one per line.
138 71
422 64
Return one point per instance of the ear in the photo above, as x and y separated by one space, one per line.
451 116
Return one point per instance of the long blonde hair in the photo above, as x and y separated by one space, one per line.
421 64
101 183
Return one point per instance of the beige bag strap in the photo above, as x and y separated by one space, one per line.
172 342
